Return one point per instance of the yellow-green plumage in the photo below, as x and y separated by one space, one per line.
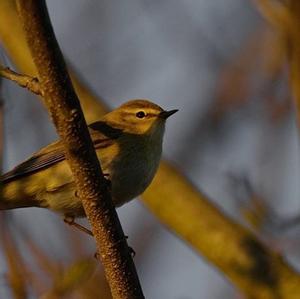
129 148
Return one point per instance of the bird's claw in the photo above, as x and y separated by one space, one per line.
70 220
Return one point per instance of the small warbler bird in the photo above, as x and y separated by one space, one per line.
128 143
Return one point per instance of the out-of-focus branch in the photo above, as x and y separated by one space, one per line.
70 279
253 267
64 108
277 13
1 130
234 87
13 40
256 270
285 17
31 83
17 274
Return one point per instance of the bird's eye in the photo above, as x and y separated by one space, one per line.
140 114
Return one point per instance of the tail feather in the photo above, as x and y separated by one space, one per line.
13 196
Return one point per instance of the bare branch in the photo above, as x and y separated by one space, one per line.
31 83
13 40
64 107
285 17
184 209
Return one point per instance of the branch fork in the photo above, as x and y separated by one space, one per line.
25 81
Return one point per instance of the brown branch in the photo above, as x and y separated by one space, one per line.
13 40
285 18
64 108
70 279
17 274
31 83
1 131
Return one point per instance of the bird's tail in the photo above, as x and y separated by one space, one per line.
13 195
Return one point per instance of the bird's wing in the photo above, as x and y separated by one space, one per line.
102 136
38 161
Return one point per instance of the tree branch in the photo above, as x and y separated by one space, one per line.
64 108
228 246
31 83
13 40
258 271
285 18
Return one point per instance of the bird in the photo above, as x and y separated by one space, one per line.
128 142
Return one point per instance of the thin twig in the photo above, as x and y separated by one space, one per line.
65 110
25 81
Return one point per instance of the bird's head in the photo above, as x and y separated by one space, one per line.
139 117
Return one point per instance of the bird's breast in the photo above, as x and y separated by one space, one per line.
134 169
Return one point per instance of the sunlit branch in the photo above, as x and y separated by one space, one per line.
31 83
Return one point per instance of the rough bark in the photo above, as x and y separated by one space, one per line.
64 108
31 83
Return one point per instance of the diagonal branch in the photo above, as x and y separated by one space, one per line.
231 248
31 83
64 108
13 40
257 270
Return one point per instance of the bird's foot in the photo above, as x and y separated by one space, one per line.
70 220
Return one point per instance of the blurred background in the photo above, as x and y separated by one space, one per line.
234 137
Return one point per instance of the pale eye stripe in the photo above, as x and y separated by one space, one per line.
148 112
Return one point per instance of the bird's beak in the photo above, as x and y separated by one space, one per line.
166 114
